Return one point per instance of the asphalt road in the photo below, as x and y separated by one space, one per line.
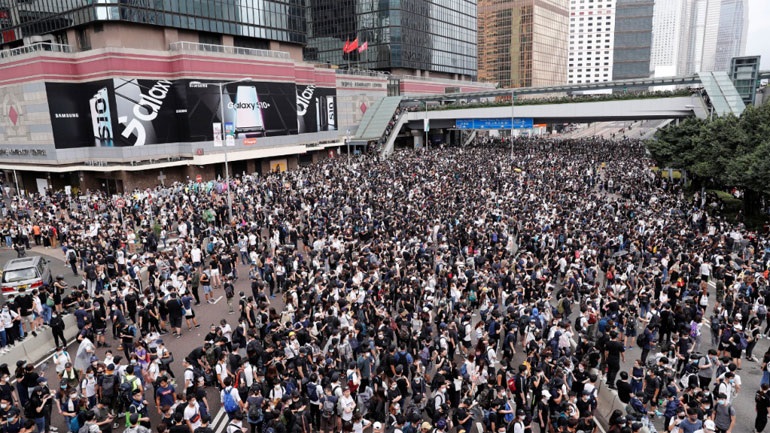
212 314
207 314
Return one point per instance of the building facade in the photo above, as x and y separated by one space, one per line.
494 41
591 41
712 33
251 23
108 97
732 33
416 37
667 22
632 39
540 40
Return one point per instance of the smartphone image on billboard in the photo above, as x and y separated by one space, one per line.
101 119
331 121
248 112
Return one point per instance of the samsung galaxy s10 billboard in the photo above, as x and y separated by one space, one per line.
137 112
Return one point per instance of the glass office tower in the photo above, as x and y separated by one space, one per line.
409 36
539 45
276 20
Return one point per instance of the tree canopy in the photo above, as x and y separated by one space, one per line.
728 151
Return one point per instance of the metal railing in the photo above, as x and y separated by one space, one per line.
362 72
240 51
37 47
470 81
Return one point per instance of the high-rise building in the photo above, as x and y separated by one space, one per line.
251 24
667 32
591 41
494 41
539 43
416 37
732 35
633 39
711 33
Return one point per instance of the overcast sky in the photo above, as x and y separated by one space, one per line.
759 31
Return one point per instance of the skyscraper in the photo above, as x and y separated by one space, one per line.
710 33
539 43
732 34
633 39
667 33
591 41
494 41
421 37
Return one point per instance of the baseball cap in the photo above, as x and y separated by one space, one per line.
377 425
709 425
425 426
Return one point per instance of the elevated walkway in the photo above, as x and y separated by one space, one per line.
376 119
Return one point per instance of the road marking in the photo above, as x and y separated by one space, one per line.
217 300
220 417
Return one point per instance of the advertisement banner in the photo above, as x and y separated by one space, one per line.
316 109
138 112
251 108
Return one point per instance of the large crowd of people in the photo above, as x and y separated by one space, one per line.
437 291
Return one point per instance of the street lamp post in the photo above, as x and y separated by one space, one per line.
513 106
224 139
426 126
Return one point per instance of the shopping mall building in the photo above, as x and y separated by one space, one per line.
114 95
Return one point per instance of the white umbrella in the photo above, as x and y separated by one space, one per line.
83 357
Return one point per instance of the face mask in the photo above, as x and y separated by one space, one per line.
721 402
90 376
4 406
11 420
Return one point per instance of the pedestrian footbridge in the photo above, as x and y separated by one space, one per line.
711 94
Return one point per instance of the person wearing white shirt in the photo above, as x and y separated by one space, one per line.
192 413
196 255
347 406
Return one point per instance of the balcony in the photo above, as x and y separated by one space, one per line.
38 47
223 49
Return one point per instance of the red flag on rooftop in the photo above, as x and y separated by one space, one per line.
363 47
351 47
345 47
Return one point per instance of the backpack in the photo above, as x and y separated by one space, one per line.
229 290
312 392
229 402
642 340
108 385
472 296
578 324
743 342
430 408
210 247
327 410
75 424
694 329
512 384
254 416
508 416
211 355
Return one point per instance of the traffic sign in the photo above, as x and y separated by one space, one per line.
199 178
120 203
